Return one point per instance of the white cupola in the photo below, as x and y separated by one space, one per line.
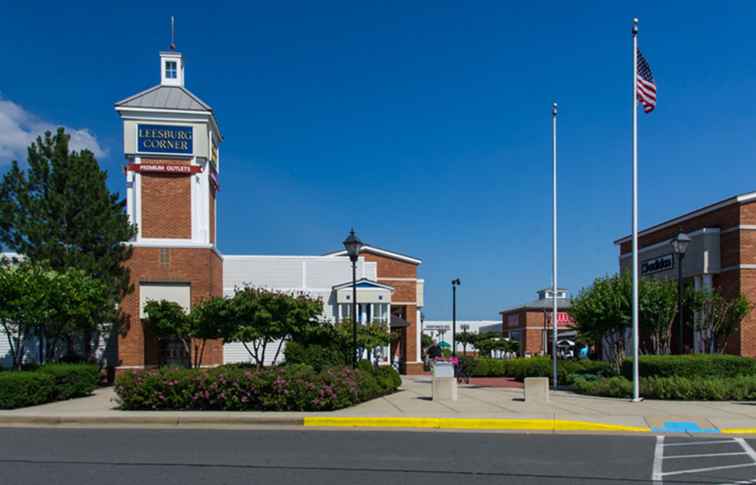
171 68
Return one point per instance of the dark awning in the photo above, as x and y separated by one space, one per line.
398 322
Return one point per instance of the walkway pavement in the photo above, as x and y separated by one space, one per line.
479 406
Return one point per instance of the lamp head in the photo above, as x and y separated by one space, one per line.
680 243
353 245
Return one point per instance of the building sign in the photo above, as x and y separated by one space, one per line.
655 265
163 168
214 177
165 139
563 318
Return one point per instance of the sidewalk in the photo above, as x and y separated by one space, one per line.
479 407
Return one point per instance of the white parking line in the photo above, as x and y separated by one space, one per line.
658 474
696 443
705 455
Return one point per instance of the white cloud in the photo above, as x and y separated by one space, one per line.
18 128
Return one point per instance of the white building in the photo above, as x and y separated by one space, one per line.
441 330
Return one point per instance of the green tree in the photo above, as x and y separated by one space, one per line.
78 305
60 212
466 338
264 318
720 318
657 311
212 318
168 319
25 291
602 314
488 343
369 337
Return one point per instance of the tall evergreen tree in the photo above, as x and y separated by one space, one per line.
59 212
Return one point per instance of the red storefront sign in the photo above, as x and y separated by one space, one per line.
563 319
163 168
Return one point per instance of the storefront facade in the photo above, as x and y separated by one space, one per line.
721 255
171 142
530 324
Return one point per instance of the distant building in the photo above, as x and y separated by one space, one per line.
530 324
441 330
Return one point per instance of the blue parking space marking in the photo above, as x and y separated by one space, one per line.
683 427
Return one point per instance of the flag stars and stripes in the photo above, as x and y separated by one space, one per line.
646 88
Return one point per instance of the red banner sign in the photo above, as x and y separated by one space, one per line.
563 318
163 168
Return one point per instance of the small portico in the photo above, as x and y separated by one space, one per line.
373 301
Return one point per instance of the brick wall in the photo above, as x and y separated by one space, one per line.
201 268
166 203
722 218
405 294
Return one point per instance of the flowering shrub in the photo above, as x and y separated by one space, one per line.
233 388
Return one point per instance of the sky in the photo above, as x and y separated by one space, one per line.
425 125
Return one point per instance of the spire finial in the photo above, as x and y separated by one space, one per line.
173 34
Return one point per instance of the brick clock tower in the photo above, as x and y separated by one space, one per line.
171 143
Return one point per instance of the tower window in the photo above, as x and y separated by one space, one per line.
170 70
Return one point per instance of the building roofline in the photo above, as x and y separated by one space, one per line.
380 251
348 284
158 86
738 199
530 306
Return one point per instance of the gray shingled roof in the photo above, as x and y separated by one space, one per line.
166 97
548 303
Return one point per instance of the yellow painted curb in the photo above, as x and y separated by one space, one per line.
468 423
737 430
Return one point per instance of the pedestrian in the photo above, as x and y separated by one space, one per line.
434 351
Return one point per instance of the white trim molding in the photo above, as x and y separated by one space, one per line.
667 242
738 199
738 266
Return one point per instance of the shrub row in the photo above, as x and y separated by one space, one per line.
533 367
319 357
692 366
230 388
740 388
52 382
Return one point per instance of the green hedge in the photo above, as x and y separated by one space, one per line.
285 388
521 368
319 357
740 388
692 366
52 382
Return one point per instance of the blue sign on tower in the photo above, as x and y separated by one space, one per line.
164 139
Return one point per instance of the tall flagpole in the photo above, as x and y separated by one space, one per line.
636 377
554 320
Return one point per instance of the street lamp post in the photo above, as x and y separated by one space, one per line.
353 245
679 246
455 283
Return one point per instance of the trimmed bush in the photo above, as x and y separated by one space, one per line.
285 388
521 368
608 387
20 389
692 366
72 380
52 382
741 388
319 357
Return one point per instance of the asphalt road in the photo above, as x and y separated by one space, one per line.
255 456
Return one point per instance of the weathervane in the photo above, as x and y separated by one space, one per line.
173 34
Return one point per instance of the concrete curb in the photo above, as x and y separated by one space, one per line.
151 420
504 424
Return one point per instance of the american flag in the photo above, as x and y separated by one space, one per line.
646 91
